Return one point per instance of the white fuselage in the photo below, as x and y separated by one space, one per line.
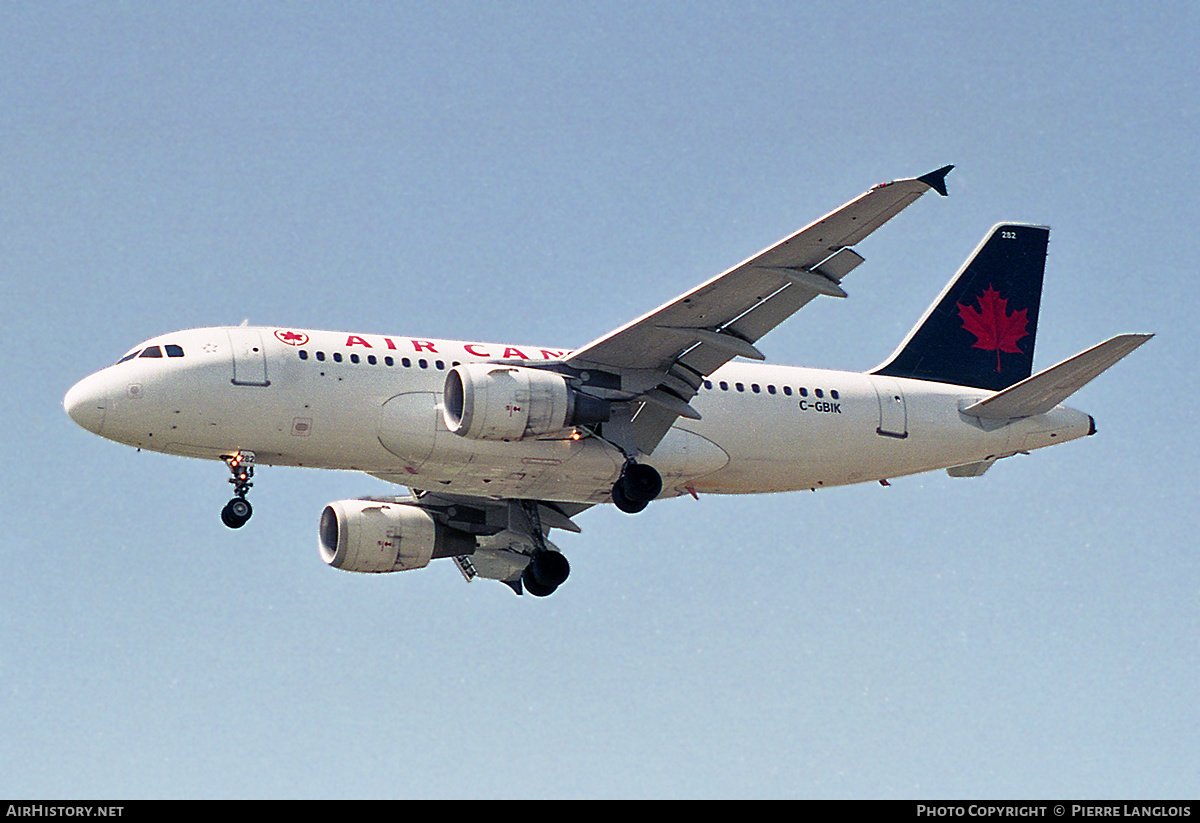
371 403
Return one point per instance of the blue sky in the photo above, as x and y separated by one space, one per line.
541 173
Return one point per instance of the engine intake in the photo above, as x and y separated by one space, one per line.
375 537
486 401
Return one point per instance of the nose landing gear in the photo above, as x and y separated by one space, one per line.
238 510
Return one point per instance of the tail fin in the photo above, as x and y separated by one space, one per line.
981 329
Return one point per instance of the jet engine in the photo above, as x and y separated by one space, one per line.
488 401
374 536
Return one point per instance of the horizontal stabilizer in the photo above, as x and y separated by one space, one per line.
1046 389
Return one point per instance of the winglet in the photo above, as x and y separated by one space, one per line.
936 180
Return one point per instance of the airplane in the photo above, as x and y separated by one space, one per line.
500 444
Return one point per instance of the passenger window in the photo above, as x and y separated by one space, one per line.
803 392
708 384
833 393
819 393
354 358
440 365
337 357
153 351
787 390
423 363
303 354
724 386
740 387
321 356
405 362
754 388
770 389
371 359
389 360
173 350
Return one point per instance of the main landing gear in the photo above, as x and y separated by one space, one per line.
238 510
547 570
636 487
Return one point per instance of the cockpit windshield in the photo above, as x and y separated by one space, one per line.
171 349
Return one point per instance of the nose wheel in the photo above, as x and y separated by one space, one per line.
238 510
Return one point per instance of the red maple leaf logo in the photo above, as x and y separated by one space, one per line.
291 338
994 328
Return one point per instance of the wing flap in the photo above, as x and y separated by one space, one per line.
482 515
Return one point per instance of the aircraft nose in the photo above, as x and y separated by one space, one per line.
87 403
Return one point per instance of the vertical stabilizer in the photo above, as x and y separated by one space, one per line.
981 329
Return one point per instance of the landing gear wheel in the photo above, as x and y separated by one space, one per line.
236 512
636 487
624 503
535 588
641 482
550 568
547 570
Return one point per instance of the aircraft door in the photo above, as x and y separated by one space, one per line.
893 414
249 357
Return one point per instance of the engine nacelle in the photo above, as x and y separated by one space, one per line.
489 401
371 536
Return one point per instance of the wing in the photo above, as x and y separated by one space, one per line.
662 358
507 532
